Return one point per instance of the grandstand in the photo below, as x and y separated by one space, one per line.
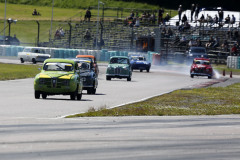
118 35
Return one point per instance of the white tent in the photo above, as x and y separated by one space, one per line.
174 19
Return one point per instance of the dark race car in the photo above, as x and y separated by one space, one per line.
89 77
201 67
196 52
139 62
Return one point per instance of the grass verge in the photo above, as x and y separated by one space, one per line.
220 69
17 71
204 101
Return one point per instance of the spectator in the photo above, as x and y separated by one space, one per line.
215 19
225 46
166 19
131 15
184 19
61 31
216 43
88 14
202 18
169 32
35 13
220 15
144 15
233 20
137 14
184 27
137 23
183 41
180 13
234 50
160 15
199 43
57 34
153 18
197 10
210 42
209 19
163 32
192 11
227 20
192 43
132 24
87 35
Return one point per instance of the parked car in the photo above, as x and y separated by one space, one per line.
95 65
201 67
33 54
196 52
139 62
119 67
87 73
58 77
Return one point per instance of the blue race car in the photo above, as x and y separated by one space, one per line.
139 62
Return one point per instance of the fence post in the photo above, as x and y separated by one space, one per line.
70 35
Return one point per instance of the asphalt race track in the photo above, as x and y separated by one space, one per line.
17 96
34 128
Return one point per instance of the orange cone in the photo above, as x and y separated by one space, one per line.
224 72
231 74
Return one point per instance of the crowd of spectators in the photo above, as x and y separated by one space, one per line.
167 32
134 19
218 19
59 33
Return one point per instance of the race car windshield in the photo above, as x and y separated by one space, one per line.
202 62
119 60
138 58
141 59
198 50
52 66
84 65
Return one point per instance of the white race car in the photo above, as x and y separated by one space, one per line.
33 54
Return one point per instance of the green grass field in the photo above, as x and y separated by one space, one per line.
16 71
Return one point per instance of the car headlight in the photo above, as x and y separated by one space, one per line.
190 54
109 68
125 68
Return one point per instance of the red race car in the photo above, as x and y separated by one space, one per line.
201 67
